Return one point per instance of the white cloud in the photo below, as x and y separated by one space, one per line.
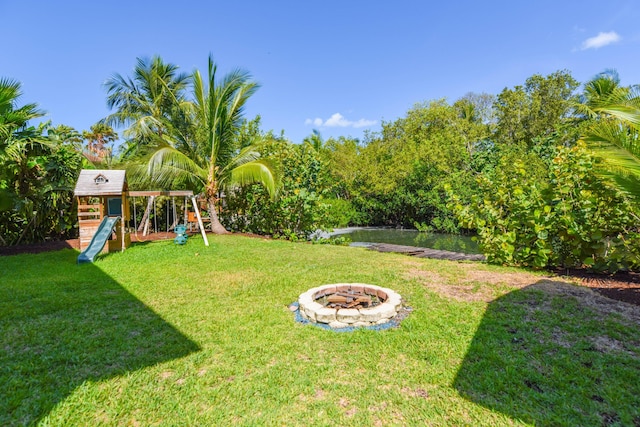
316 122
362 123
602 39
338 120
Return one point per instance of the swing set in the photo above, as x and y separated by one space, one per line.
188 216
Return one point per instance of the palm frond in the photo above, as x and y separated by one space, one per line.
146 102
246 155
624 113
220 106
13 118
617 160
614 133
616 164
254 172
168 167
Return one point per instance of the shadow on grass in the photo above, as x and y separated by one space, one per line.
62 325
556 354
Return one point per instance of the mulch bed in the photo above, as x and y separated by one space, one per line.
622 286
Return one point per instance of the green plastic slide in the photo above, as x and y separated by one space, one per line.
99 239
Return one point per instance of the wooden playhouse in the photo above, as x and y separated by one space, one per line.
102 194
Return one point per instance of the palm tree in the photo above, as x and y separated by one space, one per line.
97 137
614 134
17 141
314 141
146 103
13 119
203 152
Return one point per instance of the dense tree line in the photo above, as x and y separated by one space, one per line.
545 173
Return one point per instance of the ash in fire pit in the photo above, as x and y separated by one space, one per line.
349 304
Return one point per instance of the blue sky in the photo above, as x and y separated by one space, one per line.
341 67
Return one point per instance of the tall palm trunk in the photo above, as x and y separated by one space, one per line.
212 198
216 226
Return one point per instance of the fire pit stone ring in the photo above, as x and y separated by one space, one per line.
343 305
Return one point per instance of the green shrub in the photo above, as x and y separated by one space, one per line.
298 210
341 213
571 218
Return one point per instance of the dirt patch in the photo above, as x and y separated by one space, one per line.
621 286
483 285
418 392
477 285
560 337
438 284
600 304
515 280
606 344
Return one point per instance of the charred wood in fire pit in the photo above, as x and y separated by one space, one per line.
348 300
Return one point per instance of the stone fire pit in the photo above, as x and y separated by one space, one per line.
343 305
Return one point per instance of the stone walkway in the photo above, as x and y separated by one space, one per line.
426 252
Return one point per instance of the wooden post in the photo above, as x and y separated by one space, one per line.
145 231
122 215
195 208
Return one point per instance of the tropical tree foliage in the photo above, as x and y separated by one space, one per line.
613 128
147 103
196 139
98 149
537 109
544 203
300 208
514 164
38 167
397 176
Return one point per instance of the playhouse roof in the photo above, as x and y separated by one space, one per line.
101 183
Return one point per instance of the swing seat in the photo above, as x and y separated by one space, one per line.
181 239
192 219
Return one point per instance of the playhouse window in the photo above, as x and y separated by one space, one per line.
100 179
114 206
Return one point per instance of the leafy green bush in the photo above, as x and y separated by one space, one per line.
297 212
341 213
37 176
570 218
338 241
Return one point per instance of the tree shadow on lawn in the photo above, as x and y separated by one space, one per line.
62 325
556 354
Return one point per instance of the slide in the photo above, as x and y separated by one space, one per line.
99 239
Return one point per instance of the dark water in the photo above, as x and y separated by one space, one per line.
446 242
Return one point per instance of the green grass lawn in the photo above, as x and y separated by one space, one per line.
187 335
